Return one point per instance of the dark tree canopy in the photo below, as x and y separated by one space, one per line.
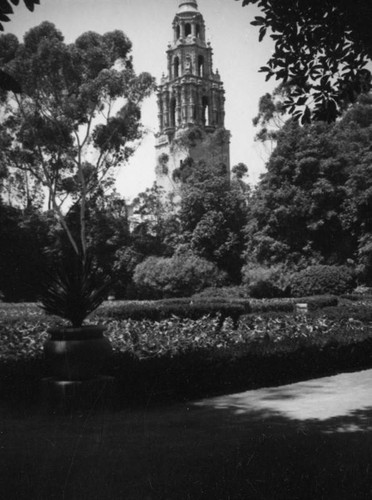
212 214
314 204
322 47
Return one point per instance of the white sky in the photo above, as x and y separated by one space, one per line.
148 23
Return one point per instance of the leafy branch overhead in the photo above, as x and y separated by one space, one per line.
322 48
6 9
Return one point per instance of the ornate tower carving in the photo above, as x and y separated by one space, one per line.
190 99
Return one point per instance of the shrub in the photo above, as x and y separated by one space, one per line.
320 280
265 282
177 276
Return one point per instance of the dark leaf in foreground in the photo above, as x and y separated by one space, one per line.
6 8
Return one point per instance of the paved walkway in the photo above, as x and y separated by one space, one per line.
311 440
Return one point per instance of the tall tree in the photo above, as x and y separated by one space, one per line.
212 214
271 117
77 116
322 47
314 202
156 227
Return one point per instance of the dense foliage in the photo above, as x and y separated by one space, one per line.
177 276
23 236
313 204
207 223
212 214
315 280
157 227
321 48
266 282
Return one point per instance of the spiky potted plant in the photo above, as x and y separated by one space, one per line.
76 351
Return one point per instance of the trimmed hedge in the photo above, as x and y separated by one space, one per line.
357 297
163 309
186 308
288 304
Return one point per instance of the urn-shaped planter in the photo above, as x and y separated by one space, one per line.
76 353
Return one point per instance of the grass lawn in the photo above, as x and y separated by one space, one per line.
311 440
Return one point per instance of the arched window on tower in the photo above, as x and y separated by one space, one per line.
187 29
188 65
176 67
205 116
173 112
201 66
178 31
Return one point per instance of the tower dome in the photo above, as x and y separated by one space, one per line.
187 6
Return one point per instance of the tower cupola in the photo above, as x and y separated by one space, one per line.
187 6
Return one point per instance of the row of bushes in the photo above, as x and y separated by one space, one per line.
314 280
185 274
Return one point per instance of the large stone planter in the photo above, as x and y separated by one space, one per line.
75 354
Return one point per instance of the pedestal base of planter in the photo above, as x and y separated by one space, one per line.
71 395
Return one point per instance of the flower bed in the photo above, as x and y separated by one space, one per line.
193 357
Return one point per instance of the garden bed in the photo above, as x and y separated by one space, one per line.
187 357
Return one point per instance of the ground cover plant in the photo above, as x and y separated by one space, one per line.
177 355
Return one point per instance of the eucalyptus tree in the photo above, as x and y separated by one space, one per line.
77 118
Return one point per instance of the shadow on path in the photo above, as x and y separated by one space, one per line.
310 440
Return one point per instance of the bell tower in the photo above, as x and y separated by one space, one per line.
190 101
